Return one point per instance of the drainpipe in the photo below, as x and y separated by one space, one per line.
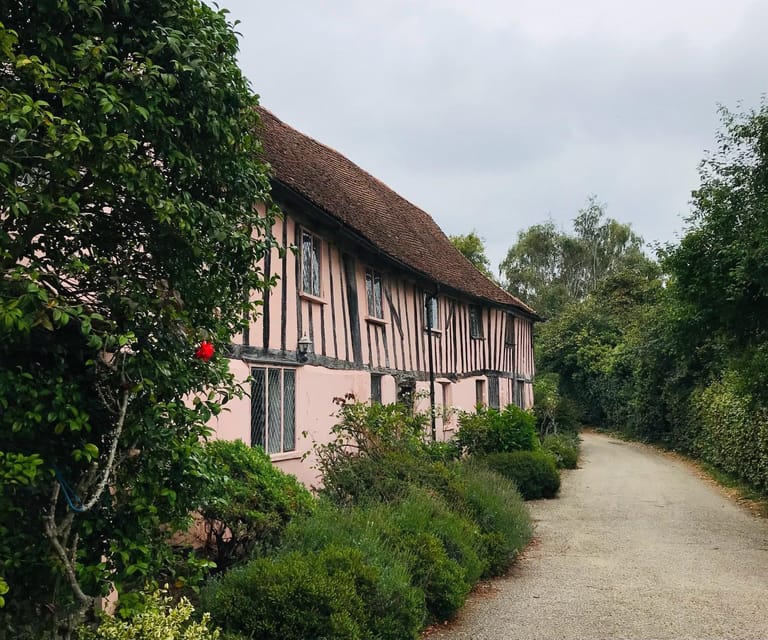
431 297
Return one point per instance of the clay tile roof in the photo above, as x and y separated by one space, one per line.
372 210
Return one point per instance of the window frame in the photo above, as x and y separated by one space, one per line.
375 306
376 379
476 322
480 392
273 408
311 262
510 331
429 301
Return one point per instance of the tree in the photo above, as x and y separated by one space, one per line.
549 268
472 247
129 240
720 268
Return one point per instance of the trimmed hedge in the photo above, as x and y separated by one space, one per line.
534 472
732 430
564 448
296 596
496 505
428 528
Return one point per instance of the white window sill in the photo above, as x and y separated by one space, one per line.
309 297
375 320
286 455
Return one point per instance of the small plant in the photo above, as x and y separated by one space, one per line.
493 431
564 448
159 619
534 472
248 501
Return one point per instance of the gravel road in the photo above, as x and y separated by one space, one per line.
636 546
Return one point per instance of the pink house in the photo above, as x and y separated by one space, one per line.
375 301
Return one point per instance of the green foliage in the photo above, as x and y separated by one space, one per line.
495 505
472 247
160 619
128 179
248 501
554 411
423 512
490 431
406 505
398 607
733 430
299 596
549 268
534 472
377 453
564 448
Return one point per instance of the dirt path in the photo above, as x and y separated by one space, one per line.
636 547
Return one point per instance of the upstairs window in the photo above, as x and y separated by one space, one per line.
476 322
310 263
373 289
431 315
509 333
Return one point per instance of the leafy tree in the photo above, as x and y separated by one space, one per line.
129 174
720 268
472 247
549 268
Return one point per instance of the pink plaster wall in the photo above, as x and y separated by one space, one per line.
398 343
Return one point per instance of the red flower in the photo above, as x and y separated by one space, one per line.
205 351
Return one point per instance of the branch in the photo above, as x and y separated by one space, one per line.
108 467
52 532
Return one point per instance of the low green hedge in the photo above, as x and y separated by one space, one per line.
564 448
296 596
534 472
495 504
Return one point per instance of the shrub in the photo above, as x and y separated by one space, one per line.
534 472
298 595
732 430
159 619
378 453
422 510
248 501
397 608
492 431
497 507
564 448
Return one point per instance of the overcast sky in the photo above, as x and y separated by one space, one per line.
494 115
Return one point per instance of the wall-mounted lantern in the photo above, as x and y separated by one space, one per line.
304 349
